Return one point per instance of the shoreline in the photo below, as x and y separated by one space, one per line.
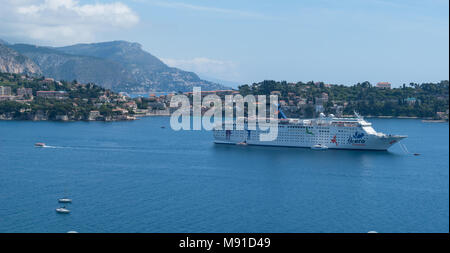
394 117
428 120
138 117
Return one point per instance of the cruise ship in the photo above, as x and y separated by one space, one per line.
325 132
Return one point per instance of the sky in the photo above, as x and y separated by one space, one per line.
247 41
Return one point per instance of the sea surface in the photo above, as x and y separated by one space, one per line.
139 177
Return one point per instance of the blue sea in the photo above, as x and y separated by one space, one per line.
139 177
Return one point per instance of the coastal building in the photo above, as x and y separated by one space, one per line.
156 106
48 80
275 92
120 110
318 83
62 117
214 92
165 112
384 85
52 94
321 101
24 92
301 102
131 105
442 115
5 91
104 99
5 98
124 94
319 108
411 101
93 115
22 110
338 109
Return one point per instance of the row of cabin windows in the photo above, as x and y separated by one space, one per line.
287 134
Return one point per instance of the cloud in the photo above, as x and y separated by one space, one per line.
225 70
62 21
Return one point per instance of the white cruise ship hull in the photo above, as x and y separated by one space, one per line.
332 133
376 145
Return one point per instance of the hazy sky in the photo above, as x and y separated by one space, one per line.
345 41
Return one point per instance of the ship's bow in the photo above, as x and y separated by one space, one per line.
390 140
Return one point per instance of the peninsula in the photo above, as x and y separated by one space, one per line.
24 97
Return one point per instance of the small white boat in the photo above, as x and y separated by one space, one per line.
65 200
319 147
62 210
39 144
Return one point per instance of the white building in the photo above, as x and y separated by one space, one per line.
384 85
5 91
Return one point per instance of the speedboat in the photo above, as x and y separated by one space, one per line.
65 200
39 144
63 210
319 147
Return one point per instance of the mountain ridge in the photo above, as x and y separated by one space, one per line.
117 65
13 62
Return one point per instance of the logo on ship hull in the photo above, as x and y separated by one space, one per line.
334 140
357 139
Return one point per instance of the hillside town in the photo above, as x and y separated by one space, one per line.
307 100
38 98
30 98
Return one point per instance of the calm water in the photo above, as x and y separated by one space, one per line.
138 177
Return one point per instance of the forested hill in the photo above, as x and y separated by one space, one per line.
305 99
